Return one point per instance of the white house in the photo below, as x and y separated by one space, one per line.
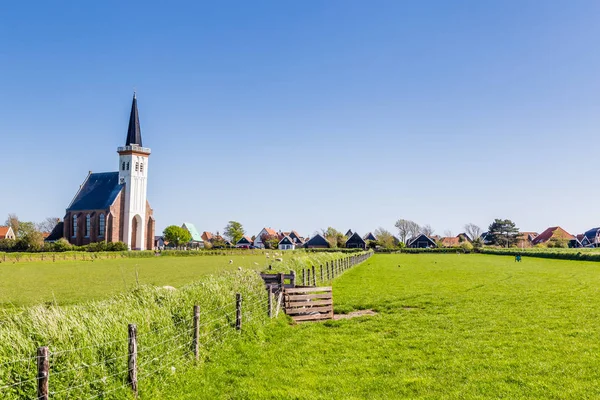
265 231
286 244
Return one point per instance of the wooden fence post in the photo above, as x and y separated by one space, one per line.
238 311
270 311
328 275
314 275
196 332
293 278
132 358
43 372
281 281
303 277
321 266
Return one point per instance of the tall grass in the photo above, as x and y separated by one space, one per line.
88 342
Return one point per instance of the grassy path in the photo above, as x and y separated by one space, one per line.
449 326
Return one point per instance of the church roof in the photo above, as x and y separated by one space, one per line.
134 132
98 192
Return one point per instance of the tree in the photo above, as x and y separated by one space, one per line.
473 231
406 229
13 221
427 230
385 238
269 241
504 232
234 231
448 233
334 237
48 224
177 235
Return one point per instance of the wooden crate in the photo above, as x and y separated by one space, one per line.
309 303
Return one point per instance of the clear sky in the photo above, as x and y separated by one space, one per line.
307 114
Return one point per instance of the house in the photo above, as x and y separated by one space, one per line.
207 236
196 240
421 241
6 232
487 238
296 238
112 206
463 237
159 243
554 232
258 239
591 238
369 236
286 243
245 242
525 239
317 242
356 242
349 233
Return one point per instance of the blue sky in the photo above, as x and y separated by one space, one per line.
303 115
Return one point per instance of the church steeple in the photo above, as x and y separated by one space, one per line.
134 133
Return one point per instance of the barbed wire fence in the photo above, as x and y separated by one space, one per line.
136 359
125 366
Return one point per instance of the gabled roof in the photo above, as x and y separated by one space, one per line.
98 192
369 236
349 233
4 231
356 239
591 234
418 237
450 241
295 236
286 240
56 233
134 132
207 236
244 240
269 231
552 232
317 240
196 237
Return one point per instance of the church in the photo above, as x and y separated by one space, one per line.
112 206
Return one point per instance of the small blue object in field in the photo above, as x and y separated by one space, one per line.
518 258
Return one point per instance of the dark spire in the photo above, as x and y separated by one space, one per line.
134 133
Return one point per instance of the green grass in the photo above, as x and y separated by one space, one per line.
449 327
70 281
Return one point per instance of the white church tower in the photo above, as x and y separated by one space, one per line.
133 173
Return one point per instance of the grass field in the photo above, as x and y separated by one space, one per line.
449 326
70 282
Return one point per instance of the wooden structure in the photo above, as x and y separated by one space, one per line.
275 281
309 303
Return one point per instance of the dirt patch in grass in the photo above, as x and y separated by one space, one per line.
354 314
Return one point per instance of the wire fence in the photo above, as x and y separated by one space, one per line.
127 364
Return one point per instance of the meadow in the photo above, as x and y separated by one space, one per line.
448 327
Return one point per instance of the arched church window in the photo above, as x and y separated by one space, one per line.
142 167
74 225
101 225
128 166
123 166
88 223
137 166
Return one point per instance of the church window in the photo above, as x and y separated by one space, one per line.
101 225
123 166
137 166
128 166
142 167
88 222
74 225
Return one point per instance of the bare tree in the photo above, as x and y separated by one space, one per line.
427 230
406 229
473 231
448 233
385 237
13 221
48 224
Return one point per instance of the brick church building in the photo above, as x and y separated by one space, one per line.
112 206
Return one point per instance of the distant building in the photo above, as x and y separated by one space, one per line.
369 236
245 242
6 232
196 240
112 206
349 233
206 236
286 243
356 242
317 242
554 232
421 241
258 239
